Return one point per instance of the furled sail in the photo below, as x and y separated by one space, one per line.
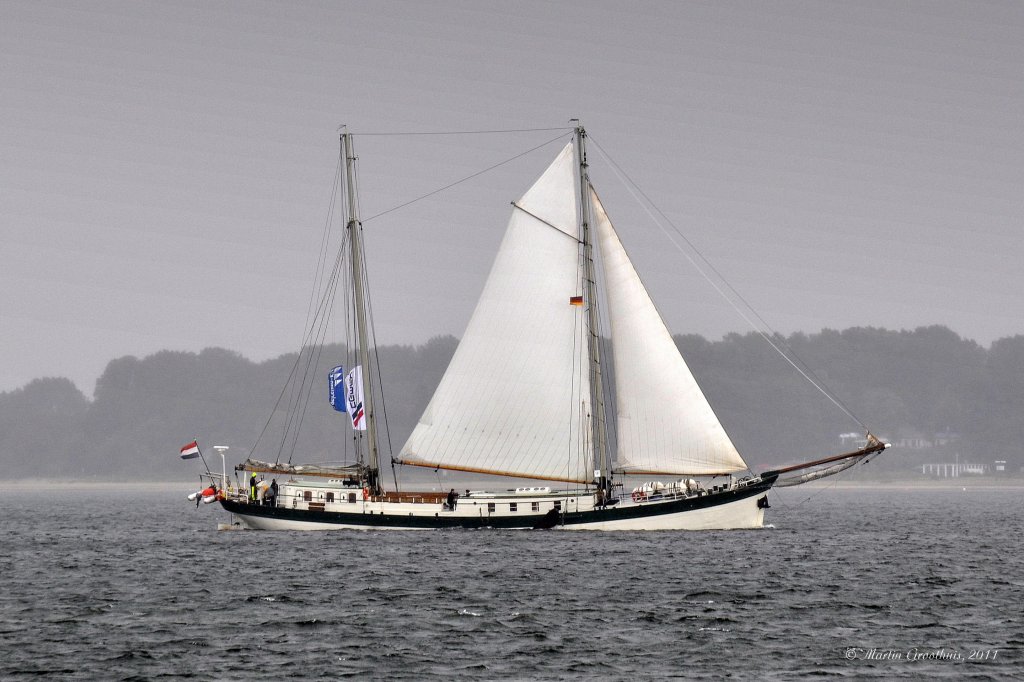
815 475
511 399
664 423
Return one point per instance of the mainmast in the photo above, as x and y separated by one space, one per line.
355 231
599 428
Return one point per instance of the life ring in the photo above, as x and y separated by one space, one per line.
639 496
366 494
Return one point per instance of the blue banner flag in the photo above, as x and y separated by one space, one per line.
337 395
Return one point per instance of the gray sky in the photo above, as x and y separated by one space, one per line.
167 166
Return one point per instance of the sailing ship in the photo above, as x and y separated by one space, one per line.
527 396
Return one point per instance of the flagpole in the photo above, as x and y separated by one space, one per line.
200 450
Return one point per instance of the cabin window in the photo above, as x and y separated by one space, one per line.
490 507
535 506
307 495
558 505
352 498
513 507
330 497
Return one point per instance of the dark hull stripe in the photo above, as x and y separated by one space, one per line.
484 521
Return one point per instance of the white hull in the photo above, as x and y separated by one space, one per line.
729 516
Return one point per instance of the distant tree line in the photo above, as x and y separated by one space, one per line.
900 383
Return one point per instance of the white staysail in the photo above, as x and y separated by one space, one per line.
511 399
664 423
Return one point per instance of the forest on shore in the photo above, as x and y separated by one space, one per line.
926 385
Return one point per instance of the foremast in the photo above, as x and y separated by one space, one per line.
598 423
355 230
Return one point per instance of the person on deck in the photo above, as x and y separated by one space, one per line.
271 496
252 488
452 497
261 491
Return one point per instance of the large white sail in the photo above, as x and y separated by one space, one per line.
511 399
664 423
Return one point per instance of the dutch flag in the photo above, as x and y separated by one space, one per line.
190 451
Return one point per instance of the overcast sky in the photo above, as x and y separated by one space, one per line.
167 167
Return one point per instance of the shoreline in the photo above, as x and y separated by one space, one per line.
63 484
933 484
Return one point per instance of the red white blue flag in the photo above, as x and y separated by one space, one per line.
190 451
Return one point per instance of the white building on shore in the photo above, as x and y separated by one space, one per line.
954 469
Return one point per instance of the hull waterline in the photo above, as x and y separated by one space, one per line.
724 510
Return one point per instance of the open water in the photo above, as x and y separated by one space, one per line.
876 583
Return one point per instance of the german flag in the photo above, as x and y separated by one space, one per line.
576 300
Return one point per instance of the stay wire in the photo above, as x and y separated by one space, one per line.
373 338
566 132
805 370
376 360
832 486
312 349
284 389
468 177
321 263
414 133
313 363
320 271
289 386
318 326
607 378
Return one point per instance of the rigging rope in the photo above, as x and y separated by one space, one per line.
468 177
321 262
316 336
465 132
318 316
630 185
376 361
289 381
312 363
313 350
289 386
831 486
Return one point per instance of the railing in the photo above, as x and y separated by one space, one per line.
291 501
669 494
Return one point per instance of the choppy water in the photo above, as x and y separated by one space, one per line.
140 585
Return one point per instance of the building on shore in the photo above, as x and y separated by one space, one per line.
954 469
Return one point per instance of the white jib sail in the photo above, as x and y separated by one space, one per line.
511 399
664 423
